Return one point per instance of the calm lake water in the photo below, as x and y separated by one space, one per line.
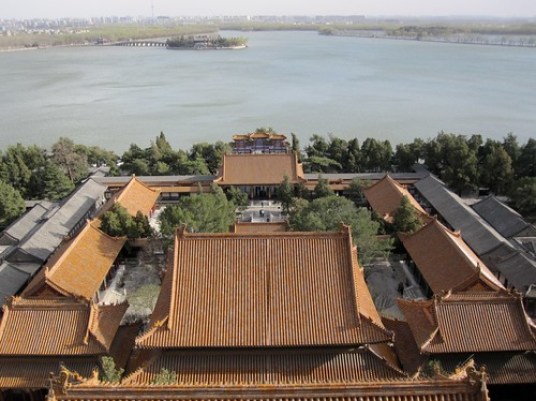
297 82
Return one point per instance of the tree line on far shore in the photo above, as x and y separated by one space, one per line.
465 163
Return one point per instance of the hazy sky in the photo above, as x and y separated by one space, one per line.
87 8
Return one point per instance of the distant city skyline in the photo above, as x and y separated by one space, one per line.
27 9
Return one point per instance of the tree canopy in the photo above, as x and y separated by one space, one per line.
406 218
210 212
117 222
11 204
523 197
327 213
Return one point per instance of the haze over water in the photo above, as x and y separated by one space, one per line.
297 82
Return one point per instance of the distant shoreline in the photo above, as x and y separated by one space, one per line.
483 40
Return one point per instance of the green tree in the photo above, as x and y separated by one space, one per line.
285 193
97 156
322 188
319 164
14 169
211 154
352 162
318 147
165 377
295 147
496 170
523 197
406 218
337 150
210 212
376 155
139 167
54 183
326 214
133 153
238 197
109 372
526 163
354 191
511 146
73 164
117 222
318 158
406 155
11 204
460 170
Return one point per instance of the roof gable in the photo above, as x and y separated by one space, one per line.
57 327
445 261
271 289
385 196
469 323
134 197
80 267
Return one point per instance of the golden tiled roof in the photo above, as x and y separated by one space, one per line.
260 169
34 373
469 323
135 196
258 135
57 327
445 261
262 290
502 367
79 267
243 227
276 367
385 196
394 389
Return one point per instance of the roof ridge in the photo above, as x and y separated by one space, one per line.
449 234
50 271
354 264
3 319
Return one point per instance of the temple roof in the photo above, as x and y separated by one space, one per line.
258 135
502 218
135 196
260 169
445 260
475 231
502 367
478 322
385 196
279 368
248 227
263 290
58 327
80 266
62 220
34 373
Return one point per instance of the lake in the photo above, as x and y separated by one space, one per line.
297 82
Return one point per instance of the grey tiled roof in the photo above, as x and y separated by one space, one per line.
501 217
63 219
366 176
164 179
12 279
518 268
478 234
23 226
